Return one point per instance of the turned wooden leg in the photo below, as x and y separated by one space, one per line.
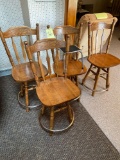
53 56
26 97
107 79
43 110
84 79
76 78
22 90
69 113
51 119
96 80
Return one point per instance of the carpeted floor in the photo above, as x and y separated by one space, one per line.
21 137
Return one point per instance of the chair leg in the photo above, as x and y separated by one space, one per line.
51 119
77 80
69 113
42 109
84 79
22 90
96 80
26 97
107 79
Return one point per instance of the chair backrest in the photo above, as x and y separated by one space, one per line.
13 41
68 34
67 30
83 22
96 35
45 45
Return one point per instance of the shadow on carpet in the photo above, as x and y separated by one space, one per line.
21 137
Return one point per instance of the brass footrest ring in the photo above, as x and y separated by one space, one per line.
97 91
56 130
23 104
30 87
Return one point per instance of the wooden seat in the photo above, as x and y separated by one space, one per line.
21 70
99 58
52 92
75 67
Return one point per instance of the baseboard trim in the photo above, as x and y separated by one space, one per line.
5 72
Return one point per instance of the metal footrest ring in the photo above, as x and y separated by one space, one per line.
56 130
97 91
90 89
31 87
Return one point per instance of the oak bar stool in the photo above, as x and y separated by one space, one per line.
99 58
75 67
53 92
21 70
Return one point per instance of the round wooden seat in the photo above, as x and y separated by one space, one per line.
104 60
73 68
57 90
23 72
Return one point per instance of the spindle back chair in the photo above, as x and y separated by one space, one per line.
98 55
75 67
13 42
53 92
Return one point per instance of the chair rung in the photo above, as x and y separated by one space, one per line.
60 109
93 72
103 77
104 70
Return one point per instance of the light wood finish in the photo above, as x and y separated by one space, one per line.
70 12
57 91
74 66
102 60
52 91
21 70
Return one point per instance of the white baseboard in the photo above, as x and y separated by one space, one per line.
5 72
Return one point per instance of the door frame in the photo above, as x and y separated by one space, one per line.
70 12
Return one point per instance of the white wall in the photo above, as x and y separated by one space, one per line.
10 15
45 13
25 12
28 12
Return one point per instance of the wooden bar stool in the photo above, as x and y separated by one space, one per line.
98 56
55 93
21 70
75 66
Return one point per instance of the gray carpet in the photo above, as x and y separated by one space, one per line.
21 137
